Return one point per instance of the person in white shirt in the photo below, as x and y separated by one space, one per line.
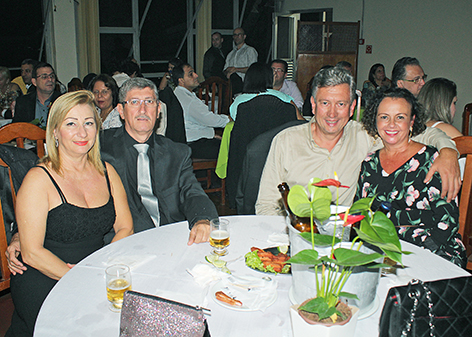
279 67
239 60
199 120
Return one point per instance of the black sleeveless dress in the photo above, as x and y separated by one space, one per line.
72 233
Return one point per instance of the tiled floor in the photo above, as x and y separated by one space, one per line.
6 304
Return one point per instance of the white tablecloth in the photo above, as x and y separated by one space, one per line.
159 258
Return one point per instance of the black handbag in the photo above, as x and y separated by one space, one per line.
146 315
438 308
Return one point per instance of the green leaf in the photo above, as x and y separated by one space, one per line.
298 201
320 239
348 257
348 295
307 256
361 205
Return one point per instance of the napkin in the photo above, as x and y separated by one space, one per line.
255 293
279 239
204 274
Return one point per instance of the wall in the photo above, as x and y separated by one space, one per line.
437 32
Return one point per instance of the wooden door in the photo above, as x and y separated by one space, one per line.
324 43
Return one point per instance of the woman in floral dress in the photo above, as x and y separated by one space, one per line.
396 174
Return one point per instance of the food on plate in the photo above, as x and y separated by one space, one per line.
221 296
265 260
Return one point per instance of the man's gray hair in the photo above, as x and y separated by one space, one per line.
331 77
136 83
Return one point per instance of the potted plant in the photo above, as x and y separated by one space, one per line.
333 269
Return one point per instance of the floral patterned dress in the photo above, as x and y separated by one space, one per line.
420 214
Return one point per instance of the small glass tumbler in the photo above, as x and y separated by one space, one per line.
219 236
118 280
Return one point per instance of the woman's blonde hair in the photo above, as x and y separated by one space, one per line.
57 114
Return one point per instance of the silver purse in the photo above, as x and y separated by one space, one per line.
145 315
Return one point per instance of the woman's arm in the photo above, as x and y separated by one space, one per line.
124 222
32 207
434 216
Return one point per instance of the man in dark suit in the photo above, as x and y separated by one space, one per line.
214 58
35 105
179 194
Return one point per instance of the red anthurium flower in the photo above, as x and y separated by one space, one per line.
329 182
352 219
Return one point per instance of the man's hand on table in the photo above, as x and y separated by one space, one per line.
12 252
448 168
200 232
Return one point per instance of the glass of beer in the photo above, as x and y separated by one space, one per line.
118 278
219 236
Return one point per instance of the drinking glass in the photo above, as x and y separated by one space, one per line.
118 278
219 236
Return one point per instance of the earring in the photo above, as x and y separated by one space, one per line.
57 142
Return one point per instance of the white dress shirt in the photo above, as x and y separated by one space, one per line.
199 120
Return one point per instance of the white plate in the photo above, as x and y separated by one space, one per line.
220 287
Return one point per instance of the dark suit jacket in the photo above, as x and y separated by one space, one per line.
180 195
26 106
213 63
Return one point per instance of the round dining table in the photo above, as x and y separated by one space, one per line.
160 260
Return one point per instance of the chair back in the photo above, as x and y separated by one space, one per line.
216 93
464 146
256 116
21 131
466 119
4 271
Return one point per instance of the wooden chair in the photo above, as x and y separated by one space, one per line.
466 119
209 166
215 92
464 146
5 272
21 131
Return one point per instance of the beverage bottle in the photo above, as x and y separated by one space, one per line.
301 224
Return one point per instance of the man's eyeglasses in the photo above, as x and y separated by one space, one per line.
52 76
104 92
417 79
278 70
238 34
135 102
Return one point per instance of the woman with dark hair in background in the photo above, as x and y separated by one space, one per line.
167 78
105 91
439 97
395 174
258 81
377 80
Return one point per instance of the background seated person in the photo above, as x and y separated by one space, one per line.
258 81
167 80
105 92
377 80
35 105
396 174
8 92
438 98
280 68
65 206
199 120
